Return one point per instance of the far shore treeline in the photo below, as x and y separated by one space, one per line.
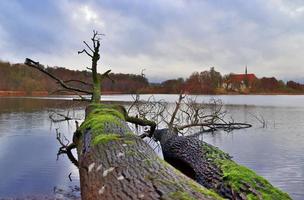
20 80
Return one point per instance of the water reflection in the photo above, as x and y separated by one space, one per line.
28 148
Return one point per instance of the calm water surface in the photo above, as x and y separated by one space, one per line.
28 143
28 148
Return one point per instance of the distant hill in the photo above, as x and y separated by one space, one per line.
20 80
18 77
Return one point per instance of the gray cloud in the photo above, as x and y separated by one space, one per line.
169 38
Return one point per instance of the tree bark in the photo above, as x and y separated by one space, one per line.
116 164
214 168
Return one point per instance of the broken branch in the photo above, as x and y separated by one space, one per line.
40 67
85 51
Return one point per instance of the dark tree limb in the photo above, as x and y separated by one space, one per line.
225 126
107 75
78 81
62 117
186 114
95 39
85 51
66 148
88 46
40 67
177 108
142 122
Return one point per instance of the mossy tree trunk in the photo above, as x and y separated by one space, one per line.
214 168
96 81
116 164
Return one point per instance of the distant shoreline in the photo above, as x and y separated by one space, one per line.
46 94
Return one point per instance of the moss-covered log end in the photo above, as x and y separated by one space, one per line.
99 117
240 178
104 123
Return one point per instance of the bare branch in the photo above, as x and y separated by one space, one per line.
96 34
95 39
177 106
107 75
186 116
70 178
66 148
225 126
78 81
88 46
59 117
40 67
260 119
85 51
142 122
135 101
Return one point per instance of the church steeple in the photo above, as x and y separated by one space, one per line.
246 80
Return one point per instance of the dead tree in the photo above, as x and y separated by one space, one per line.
95 87
186 115
113 162
200 161
95 56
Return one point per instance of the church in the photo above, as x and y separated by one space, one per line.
239 82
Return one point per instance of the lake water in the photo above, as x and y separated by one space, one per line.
28 149
28 144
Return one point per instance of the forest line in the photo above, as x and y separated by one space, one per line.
17 80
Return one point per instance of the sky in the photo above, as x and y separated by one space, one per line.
167 38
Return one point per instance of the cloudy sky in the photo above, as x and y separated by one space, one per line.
168 38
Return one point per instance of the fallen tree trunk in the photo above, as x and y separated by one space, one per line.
214 168
115 164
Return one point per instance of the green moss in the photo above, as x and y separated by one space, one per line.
129 134
105 138
99 116
129 142
106 109
97 123
207 192
236 175
240 177
148 162
252 197
213 153
179 195
129 138
163 162
131 152
182 194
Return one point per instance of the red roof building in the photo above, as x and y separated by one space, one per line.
238 78
239 82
